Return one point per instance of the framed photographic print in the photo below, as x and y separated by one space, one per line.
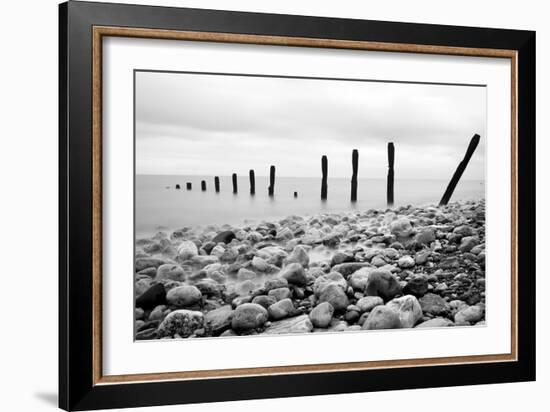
256 205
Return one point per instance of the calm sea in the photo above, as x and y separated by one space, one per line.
159 206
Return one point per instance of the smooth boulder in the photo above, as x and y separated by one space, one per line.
248 316
335 295
368 303
382 283
182 296
281 309
382 317
321 315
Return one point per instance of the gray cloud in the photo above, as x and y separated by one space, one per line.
215 124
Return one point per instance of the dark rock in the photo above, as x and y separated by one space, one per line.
224 237
264 300
382 283
433 304
347 269
219 320
294 274
351 316
154 296
341 257
417 285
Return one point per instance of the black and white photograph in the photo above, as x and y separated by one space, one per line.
283 205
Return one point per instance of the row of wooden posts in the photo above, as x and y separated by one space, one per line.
355 167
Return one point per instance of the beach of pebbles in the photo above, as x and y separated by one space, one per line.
408 267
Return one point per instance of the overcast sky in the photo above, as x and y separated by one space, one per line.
195 124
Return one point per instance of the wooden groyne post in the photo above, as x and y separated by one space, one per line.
355 167
324 171
252 182
203 185
217 184
271 189
460 170
189 186
234 178
391 159
178 187
295 194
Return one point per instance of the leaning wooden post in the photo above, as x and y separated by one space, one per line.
354 166
324 171
189 185
234 177
271 189
459 170
252 182
391 159
203 185
217 183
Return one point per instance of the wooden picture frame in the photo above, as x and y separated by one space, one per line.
82 385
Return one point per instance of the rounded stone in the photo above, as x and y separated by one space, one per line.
321 315
368 303
182 296
333 294
248 316
382 317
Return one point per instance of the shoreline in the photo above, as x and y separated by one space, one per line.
356 270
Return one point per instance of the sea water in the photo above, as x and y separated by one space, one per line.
160 206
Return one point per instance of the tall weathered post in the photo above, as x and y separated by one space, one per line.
459 170
203 185
391 159
271 189
252 182
234 178
324 171
189 185
217 183
355 167
295 194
